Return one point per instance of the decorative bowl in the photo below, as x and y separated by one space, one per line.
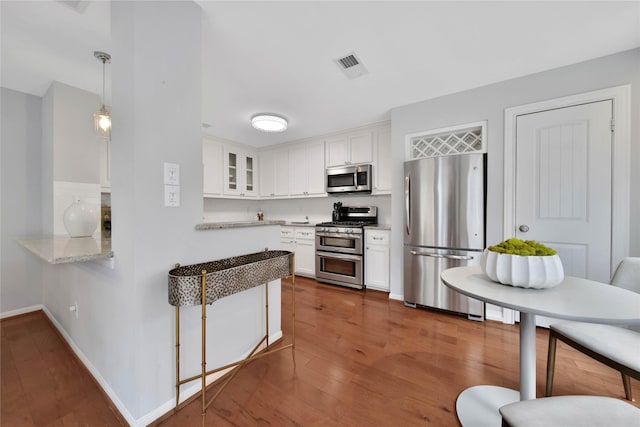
523 271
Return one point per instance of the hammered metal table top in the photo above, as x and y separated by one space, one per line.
227 276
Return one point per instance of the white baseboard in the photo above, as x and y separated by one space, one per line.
92 369
155 413
396 297
20 311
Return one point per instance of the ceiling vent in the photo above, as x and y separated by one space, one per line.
351 66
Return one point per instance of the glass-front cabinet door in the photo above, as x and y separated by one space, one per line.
248 181
240 173
232 170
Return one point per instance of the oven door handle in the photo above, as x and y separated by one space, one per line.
446 256
341 235
339 256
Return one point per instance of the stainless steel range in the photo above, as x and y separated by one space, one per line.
339 245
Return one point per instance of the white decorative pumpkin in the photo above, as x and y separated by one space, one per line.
523 271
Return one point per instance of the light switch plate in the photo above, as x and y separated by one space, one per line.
171 174
172 196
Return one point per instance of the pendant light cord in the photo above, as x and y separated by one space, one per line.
103 64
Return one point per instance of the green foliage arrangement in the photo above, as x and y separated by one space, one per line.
515 246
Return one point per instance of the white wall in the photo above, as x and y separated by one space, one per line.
126 326
76 155
488 103
20 205
318 209
75 150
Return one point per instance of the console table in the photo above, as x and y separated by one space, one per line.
202 284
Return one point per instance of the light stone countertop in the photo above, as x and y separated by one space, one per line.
299 224
378 227
63 249
236 224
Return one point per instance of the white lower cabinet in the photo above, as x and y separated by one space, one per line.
301 241
376 259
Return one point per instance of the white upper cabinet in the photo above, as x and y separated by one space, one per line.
348 149
294 169
382 166
307 169
211 168
240 172
274 173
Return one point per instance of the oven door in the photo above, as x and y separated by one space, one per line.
342 243
339 269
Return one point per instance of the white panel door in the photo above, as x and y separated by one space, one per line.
563 185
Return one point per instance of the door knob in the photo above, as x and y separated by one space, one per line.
524 228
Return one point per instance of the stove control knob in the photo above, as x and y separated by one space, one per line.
349 230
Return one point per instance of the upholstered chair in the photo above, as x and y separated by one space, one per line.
617 347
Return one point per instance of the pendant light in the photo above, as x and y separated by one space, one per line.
102 119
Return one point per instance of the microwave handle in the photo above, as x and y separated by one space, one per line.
407 203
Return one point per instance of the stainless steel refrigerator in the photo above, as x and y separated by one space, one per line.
444 227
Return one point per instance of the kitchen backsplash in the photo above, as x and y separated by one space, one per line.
316 209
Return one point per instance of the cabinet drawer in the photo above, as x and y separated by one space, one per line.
306 233
377 237
286 233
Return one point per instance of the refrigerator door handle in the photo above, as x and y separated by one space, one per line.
407 203
446 256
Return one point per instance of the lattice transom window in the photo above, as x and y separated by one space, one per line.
446 142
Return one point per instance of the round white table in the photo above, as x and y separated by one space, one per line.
574 299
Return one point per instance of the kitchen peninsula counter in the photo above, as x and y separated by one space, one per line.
64 250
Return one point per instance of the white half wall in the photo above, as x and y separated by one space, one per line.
20 204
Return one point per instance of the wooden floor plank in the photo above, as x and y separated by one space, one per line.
362 360
43 383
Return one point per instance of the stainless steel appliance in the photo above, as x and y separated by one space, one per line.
444 228
339 245
349 179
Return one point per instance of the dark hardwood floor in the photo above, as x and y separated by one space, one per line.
43 383
362 360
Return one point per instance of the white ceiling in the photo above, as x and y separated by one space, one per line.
279 56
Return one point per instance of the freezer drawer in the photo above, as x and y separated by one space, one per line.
422 284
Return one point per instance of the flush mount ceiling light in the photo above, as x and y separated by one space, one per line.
102 119
269 123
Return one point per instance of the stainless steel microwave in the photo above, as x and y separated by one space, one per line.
349 179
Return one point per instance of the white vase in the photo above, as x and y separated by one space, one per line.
80 218
523 271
